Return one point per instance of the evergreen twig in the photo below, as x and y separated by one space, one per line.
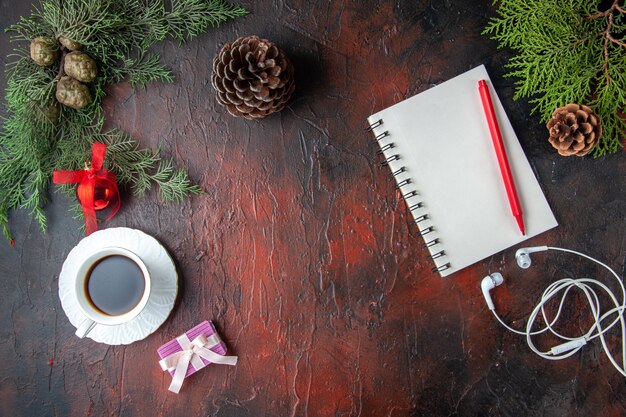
117 34
568 52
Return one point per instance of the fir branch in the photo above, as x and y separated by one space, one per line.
24 179
140 168
76 210
144 71
174 184
567 52
136 166
80 20
4 221
189 18
28 83
131 164
117 34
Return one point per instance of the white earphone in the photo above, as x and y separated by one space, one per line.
522 256
571 345
489 283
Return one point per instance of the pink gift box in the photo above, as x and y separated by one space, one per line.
205 328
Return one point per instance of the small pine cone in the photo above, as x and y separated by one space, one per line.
574 130
43 51
253 77
73 93
52 112
69 44
80 66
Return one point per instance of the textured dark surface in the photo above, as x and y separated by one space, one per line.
301 251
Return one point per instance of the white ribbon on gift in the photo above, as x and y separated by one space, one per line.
193 351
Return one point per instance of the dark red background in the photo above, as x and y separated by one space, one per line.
301 251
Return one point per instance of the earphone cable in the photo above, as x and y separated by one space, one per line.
596 330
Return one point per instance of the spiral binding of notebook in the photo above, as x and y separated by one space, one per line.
391 156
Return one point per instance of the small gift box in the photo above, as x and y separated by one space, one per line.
192 351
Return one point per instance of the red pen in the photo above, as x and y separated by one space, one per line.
498 145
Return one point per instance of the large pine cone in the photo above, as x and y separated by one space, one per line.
43 51
253 77
73 93
80 66
574 130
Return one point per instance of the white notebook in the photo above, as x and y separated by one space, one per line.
438 146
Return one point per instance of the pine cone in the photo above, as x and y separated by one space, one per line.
80 66
69 44
52 112
574 130
43 51
253 77
73 93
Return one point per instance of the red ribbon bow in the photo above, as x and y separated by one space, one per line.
92 180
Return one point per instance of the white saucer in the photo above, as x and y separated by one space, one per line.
162 272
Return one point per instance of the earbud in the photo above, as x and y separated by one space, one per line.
522 256
488 283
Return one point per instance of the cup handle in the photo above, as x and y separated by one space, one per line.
85 327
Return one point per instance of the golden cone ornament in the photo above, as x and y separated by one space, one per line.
43 51
73 93
69 44
80 66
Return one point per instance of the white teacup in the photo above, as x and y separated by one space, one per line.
95 315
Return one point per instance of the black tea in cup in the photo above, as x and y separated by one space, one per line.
115 285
